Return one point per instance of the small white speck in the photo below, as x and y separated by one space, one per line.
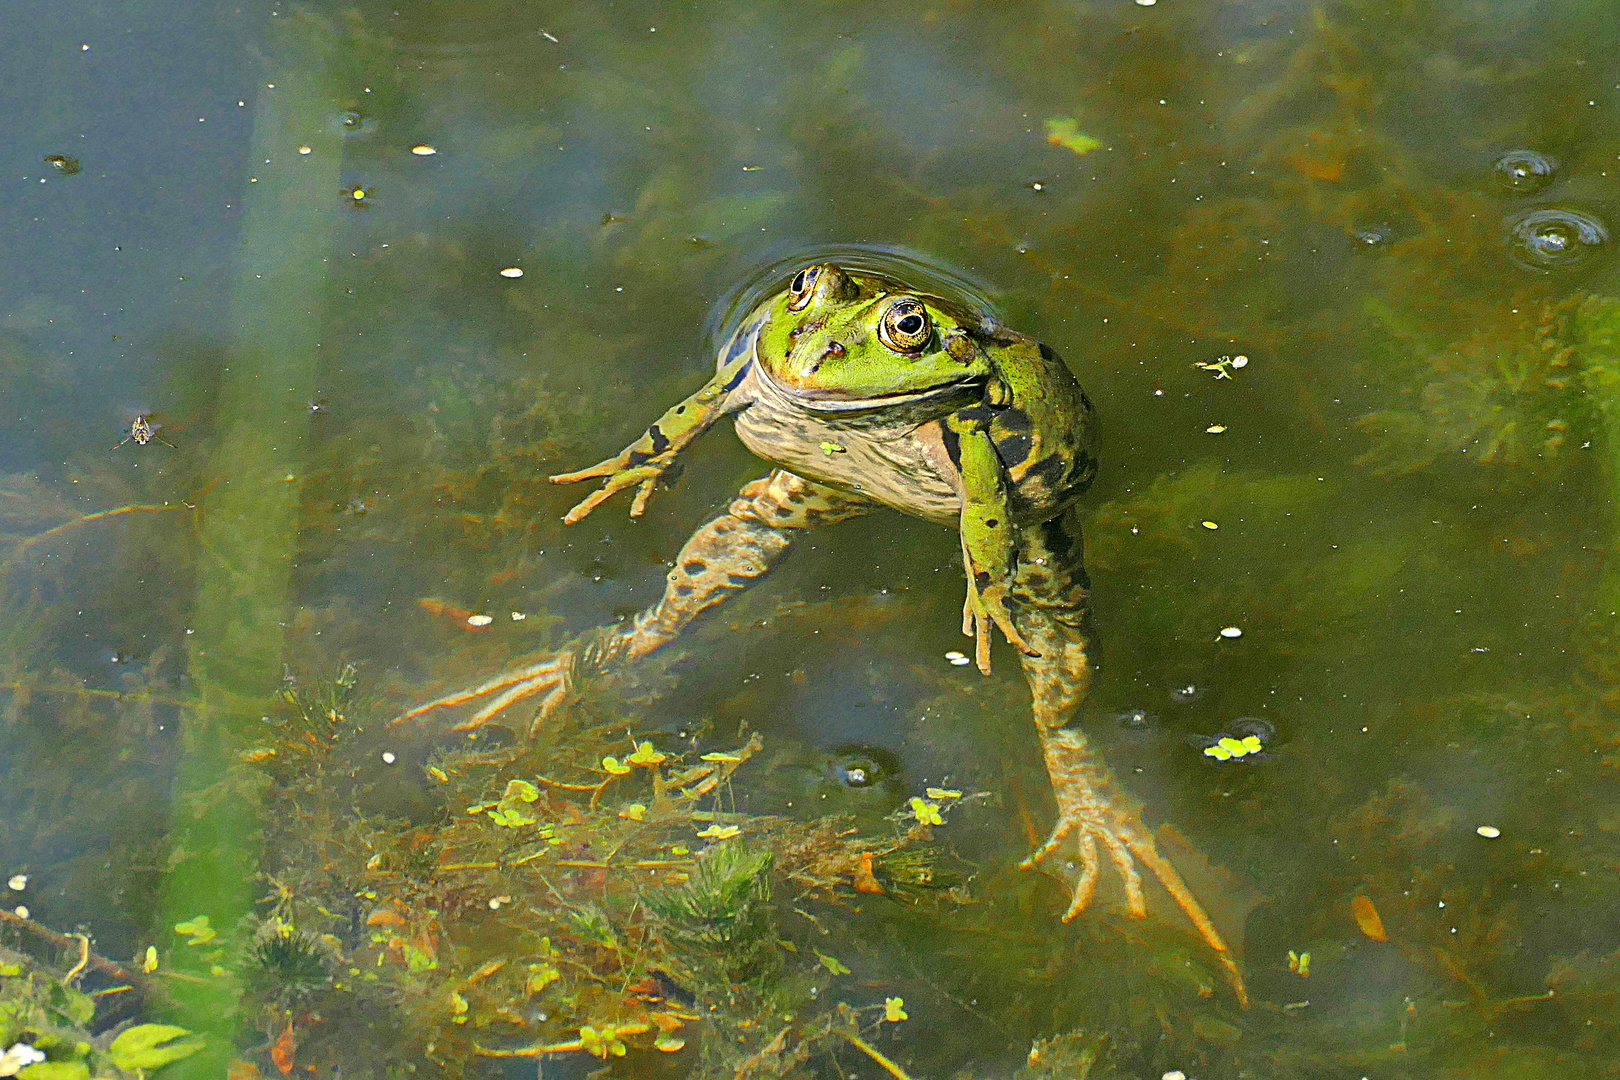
1489 832
549 38
1173 1074
423 150
1240 361
17 882
1210 525
957 659
305 150
388 757
495 902
1150 3
518 616
1231 632
479 620
84 48
512 272
22 911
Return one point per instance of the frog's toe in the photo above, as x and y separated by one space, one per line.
551 677
1103 819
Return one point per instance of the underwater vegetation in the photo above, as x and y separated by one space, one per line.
73 1022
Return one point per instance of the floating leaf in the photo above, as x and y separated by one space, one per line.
647 756
668 1043
520 789
151 1046
615 766
720 755
926 813
458 1007
894 1010
511 818
1065 131
1367 918
719 832
832 964
149 962
1299 963
197 930
634 812
943 793
601 1043
831 448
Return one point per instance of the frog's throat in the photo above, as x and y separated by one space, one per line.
817 401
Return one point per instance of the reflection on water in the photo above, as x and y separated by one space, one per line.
1401 216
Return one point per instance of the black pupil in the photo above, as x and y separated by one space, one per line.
909 324
803 279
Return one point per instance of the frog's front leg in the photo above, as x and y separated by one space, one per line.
649 457
721 558
988 536
1050 591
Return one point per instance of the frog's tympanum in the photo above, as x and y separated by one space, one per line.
864 393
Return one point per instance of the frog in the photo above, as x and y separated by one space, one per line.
863 393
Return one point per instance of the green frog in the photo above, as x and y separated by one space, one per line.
864 393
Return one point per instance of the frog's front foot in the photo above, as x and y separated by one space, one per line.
1103 819
549 679
625 470
983 609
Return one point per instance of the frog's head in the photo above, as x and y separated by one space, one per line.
840 341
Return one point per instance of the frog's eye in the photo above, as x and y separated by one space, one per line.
802 287
905 327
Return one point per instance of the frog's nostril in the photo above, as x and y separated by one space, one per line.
834 351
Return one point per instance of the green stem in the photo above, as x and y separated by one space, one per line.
249 530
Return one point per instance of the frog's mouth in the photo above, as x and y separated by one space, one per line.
822 399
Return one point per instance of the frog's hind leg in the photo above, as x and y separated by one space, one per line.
720 559
1050 598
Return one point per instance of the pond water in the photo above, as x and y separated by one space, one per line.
351 282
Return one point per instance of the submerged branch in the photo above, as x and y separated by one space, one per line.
80 944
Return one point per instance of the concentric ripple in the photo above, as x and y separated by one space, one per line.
1525 172
1555 238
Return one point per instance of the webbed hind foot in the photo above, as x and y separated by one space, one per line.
1102 818
550 678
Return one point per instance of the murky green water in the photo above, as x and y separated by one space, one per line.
288 237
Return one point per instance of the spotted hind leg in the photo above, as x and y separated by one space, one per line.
1050 593
720 559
